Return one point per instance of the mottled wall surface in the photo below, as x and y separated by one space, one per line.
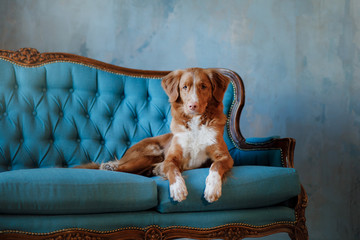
300 61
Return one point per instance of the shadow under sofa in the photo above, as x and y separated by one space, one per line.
59 110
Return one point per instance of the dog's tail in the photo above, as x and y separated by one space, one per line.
91 165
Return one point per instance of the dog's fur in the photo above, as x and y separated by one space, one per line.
196 135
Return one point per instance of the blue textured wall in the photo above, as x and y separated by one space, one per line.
300 61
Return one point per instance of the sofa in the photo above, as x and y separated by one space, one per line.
59 110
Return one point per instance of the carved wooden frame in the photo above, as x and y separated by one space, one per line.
29 57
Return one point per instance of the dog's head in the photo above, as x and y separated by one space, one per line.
195 88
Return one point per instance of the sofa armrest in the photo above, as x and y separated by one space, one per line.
285 146
260 141
271 151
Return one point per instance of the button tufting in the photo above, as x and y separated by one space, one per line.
97 94
5 114
136 119
164 120
111 118
61 113
51 141
21 140
78 140
71 90
149 99
16 86
128 143
34 113
122 97
102 142
44 89
87 116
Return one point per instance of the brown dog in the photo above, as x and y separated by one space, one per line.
196 136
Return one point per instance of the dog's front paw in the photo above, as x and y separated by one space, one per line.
109 166
213 187
178 191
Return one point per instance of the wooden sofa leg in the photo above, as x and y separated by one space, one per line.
300 231
299 234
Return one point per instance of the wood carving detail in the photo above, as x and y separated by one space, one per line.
153 234
75 236
233 233
30 56
300 232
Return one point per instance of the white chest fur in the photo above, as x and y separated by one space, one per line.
194 140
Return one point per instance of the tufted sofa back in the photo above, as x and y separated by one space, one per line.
62 114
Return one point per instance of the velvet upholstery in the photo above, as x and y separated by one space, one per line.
246 187
64 114
142 219
74 191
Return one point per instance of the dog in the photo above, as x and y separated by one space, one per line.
196 136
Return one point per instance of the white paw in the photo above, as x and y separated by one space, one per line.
178 191
109 166
213 187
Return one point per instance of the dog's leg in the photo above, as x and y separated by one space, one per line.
110 166
171 170
88 166
140 157
137 165
137 158
178 190
221 165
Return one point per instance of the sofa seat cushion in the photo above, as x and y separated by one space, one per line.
245 187
74 191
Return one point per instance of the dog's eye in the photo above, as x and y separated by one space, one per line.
203 86
184 87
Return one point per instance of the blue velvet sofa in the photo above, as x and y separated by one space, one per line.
59 110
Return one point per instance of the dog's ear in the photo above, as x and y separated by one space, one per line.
219 84
170 84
